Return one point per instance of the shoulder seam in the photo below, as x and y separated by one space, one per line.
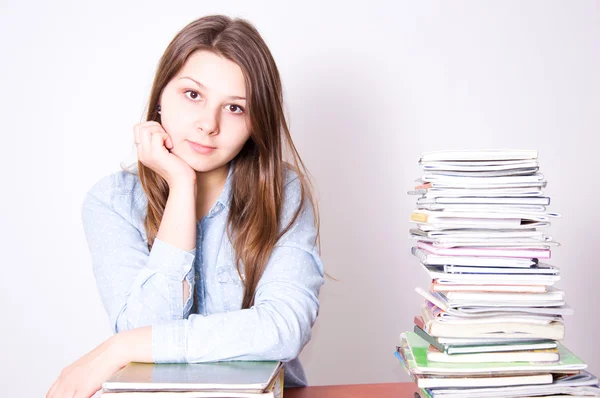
292 180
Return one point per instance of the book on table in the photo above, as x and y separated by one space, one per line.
235 379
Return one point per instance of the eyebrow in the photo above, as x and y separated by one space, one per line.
202 86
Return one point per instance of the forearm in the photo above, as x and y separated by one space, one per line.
178 225
133 345
275 328
267 332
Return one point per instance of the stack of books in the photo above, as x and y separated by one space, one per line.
231 379
492 320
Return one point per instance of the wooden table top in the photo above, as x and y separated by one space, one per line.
380 390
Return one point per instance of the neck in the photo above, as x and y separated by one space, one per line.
210 181
209 186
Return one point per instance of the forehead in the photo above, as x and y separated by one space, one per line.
218 74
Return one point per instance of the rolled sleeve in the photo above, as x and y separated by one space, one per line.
169 342
174 265
138 287
170 260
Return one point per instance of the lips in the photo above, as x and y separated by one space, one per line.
202 149
202 145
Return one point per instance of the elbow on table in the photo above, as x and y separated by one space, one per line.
290 333
291 348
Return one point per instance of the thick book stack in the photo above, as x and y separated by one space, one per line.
492 320
231 379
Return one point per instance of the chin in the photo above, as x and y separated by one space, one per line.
203 167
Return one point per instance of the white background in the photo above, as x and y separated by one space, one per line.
368 88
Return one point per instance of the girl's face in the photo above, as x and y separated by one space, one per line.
203 109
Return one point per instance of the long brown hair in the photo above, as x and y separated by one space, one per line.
253 224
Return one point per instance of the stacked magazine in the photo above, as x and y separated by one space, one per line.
491 322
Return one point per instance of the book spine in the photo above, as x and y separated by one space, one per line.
430 339
419 322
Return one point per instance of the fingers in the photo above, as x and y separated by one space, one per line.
87 392
142 133
69 393
62 392
143 126
153 151
158 140
136 134
145 139
52 390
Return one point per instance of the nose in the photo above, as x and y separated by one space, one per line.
208 121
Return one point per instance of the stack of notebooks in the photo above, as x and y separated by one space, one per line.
492 320
232 379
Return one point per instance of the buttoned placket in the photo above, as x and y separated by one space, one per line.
199 289
199 266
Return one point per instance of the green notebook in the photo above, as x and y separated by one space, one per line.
233 376
416 356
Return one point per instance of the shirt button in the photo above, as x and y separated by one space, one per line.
196 277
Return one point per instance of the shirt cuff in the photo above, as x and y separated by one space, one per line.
187 307
169 342
170 260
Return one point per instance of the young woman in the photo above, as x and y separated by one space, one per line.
207 250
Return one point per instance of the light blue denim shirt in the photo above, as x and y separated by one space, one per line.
139 287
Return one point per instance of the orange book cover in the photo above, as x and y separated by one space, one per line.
423 186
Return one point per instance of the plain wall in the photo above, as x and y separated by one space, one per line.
368 88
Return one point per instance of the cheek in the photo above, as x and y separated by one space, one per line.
235 132
174 125
175 118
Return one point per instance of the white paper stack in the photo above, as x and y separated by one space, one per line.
480 234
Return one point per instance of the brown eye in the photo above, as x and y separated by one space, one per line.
193 95
234 108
